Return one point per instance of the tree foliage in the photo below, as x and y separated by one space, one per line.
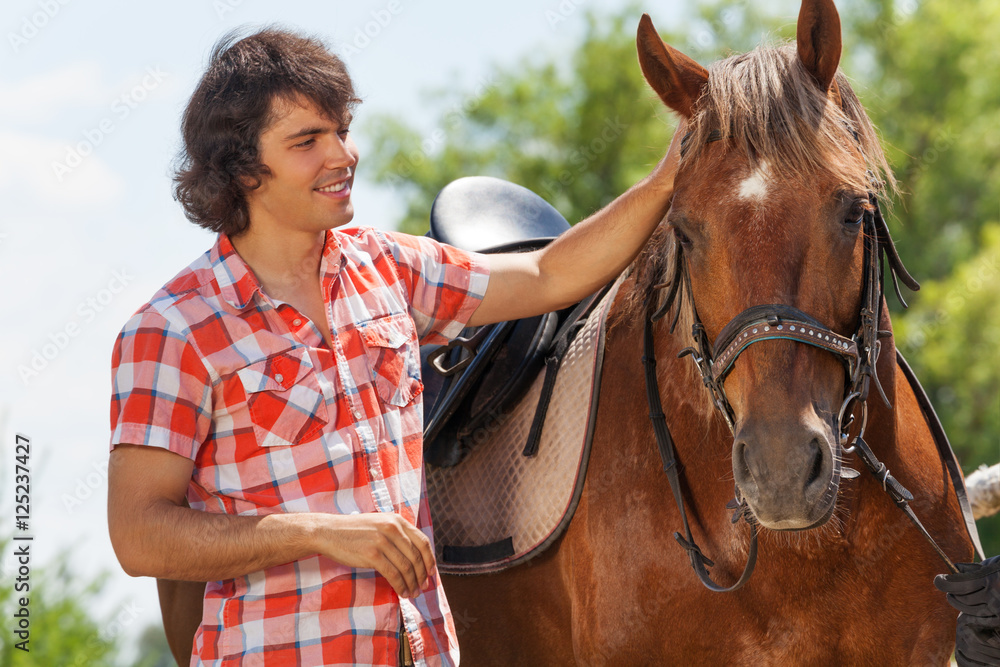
930 73
578 133
62 629
934 93
952 337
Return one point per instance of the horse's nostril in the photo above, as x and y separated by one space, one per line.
817 464
741 459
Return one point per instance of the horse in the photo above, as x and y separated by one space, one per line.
770 227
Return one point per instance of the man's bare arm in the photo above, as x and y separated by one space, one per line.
155 535
585 257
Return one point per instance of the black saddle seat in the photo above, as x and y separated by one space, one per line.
483 213
498 363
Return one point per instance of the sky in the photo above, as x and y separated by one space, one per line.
91 95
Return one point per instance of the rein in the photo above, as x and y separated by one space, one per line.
859 354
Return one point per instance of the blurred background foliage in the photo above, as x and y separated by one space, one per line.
63 628
580 131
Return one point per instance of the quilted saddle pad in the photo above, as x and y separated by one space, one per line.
499 508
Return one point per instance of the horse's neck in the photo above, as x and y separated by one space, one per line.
700 434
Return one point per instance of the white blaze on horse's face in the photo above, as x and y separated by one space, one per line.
754 187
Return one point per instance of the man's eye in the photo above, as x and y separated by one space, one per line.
344 132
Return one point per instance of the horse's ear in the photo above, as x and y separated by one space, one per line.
677 79
818 39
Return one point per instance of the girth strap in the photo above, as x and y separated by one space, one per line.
553 361
665 443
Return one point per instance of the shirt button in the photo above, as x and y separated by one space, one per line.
356 413
374 472
279 377
297 322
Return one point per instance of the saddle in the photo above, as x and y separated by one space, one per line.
470 384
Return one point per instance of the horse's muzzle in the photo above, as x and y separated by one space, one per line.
789 476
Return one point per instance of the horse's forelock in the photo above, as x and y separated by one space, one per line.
774 112
768 106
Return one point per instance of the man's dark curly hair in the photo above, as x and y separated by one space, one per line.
231 107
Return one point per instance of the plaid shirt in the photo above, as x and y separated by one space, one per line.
275 421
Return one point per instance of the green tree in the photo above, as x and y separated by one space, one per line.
951 334
62 629
579 135
930 71
154 651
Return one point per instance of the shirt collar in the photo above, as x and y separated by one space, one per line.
237 283
333 256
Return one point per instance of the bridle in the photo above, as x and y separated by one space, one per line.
859 355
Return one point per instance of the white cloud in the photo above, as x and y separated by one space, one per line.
40 98
29 177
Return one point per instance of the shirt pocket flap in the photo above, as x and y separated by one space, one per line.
277 373
385 332
284 399
394 358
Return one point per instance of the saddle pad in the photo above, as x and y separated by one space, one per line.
499 508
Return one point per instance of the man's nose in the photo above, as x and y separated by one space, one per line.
340 153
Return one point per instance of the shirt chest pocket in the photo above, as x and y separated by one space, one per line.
284 398
394 358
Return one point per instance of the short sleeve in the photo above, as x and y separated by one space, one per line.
445 285
161 391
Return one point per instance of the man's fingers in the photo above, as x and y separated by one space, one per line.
959 587
397 569
416 546
422 554
388 543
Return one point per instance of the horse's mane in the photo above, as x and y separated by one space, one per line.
770 109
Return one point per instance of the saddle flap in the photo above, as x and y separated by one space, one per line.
456 407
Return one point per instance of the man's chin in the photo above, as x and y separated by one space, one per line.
341 218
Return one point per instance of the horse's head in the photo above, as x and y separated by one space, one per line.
769 197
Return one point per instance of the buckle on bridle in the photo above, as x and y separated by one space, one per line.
845 428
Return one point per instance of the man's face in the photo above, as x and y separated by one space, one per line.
312 160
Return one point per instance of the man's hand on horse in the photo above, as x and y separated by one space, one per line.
584 258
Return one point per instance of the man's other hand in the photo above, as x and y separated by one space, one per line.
385 542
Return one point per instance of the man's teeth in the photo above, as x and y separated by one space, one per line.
333 188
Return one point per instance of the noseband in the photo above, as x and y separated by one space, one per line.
859 355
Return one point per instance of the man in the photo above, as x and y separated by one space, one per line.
274 384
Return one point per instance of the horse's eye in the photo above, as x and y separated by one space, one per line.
682 238
857 213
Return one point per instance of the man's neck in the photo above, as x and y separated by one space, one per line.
284 262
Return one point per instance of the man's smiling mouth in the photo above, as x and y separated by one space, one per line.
337 187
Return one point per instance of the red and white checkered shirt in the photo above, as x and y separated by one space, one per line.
275 421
